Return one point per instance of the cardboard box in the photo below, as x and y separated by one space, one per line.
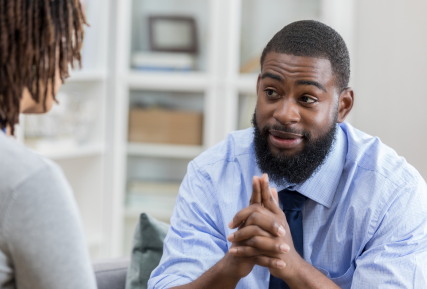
165 126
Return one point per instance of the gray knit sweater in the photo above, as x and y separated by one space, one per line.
41 235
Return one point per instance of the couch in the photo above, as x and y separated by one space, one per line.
111 274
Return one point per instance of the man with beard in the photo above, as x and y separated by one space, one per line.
334 207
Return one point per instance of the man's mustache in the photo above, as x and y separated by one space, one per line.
267 128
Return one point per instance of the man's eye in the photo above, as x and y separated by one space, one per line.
307 99
271 93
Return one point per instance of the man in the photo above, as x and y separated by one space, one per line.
351 212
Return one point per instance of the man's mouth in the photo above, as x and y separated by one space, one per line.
284 140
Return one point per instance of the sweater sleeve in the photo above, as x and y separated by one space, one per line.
44 234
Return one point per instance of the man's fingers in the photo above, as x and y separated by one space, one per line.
267 197
256 191
244 214
266 222
269 246
248 232
260 217
275 194
268 262
244 251
259 259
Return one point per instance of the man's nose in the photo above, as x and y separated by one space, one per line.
287 112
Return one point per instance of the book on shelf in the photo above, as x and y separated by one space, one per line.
163 61
164 188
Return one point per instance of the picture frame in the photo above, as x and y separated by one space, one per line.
173 34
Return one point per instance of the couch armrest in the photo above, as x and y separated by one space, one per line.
111 274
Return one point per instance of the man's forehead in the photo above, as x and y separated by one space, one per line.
291 64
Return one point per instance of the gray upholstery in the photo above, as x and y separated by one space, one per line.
111 274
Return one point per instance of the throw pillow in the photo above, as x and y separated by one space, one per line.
147 251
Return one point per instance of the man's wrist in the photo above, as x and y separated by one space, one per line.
220 276
307 276
228 270
294 271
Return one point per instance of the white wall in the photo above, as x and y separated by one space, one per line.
390 67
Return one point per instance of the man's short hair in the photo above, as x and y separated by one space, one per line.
313 39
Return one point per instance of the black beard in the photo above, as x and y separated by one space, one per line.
297 168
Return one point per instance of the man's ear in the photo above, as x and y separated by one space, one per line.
345 104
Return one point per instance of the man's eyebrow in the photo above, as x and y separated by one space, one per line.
310 82
271 75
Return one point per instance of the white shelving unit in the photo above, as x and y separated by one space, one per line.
189 81
229 30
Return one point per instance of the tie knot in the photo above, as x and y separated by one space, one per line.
291 200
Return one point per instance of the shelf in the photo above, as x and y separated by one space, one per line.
159 214
70 153
246 83
167 81
86 76
164 150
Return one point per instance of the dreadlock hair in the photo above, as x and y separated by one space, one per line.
36 36
313 39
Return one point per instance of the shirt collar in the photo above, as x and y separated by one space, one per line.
322 185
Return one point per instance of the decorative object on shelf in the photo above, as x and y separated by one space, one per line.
158 125
163 61
173 34
173 45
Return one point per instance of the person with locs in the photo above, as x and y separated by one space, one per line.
42 244
303 199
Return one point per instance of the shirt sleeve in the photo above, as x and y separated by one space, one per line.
194 242
44 234
396 255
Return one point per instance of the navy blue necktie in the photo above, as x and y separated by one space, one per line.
292 202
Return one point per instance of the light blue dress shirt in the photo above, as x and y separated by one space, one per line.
365 222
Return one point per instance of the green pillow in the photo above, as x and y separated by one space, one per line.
147 251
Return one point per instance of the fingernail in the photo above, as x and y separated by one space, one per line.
284 248
280 264
230 225
233 251
230 237
281 231
266 178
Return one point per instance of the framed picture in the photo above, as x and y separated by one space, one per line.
173 34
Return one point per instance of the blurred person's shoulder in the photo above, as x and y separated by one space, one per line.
237 144
369 154
19 166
